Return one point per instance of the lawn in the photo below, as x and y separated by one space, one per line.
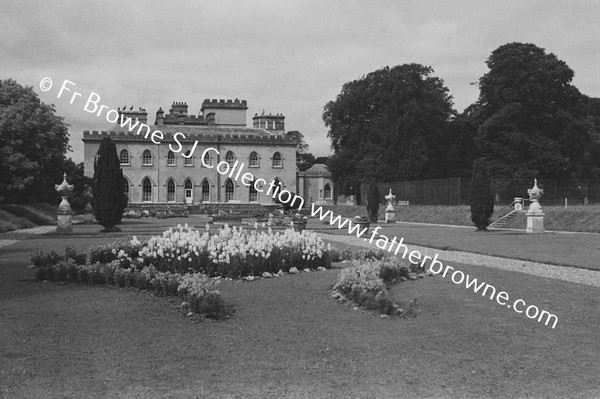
573 249
574 218
289 338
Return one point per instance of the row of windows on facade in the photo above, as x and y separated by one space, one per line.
188 187
254 159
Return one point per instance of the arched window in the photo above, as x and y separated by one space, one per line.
327 191
277 187
277 160
253 194
188 191
124 157
170 190
205 191
230 158
146 190
229 190
207 159
188 161
171 158
147 157
253 160
126 186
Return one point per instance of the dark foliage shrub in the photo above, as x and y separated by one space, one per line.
42 259
482 195
211 305
78 258
373 202
107 186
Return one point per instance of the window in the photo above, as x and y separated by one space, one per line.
253 160
207 159
146 158
327 191
124 157
170 158
277 187
146 190
253 197
126 186
229 190
170 191
188 191
277 160
188 161
230 158
205 191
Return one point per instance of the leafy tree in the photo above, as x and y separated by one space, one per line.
531 120
107 186
304 159
389 125
33 144
482 195
461 148
373 202
79 198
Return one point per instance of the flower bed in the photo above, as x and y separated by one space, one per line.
233 252
366 283
186 262
198 292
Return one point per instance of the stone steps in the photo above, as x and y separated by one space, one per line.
505 220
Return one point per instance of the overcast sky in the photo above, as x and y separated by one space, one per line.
289 57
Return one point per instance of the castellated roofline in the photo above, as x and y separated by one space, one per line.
264 116
221 103
247 136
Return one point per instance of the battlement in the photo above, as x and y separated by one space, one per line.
203 134
221 103
139 114
269 122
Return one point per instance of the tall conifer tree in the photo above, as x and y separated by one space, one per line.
482 195
107 186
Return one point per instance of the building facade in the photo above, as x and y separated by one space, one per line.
173 171
316 185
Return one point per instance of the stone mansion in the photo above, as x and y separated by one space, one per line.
156 175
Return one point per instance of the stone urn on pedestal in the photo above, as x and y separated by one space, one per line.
535 215
65 214
390 212
299 222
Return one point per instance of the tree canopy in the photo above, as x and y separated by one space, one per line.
33 144
389 125
304 159
531 121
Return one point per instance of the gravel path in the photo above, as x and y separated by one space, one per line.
572 274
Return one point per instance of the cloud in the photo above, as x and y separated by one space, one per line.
282 56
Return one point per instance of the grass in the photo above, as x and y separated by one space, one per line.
15 217
578 250
290 339
574 218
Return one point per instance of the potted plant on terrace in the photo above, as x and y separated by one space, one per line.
299 222
363 221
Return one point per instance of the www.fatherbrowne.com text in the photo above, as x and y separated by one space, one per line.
93 105
397 247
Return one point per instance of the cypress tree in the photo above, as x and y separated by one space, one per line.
107 186
482 195
373 202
